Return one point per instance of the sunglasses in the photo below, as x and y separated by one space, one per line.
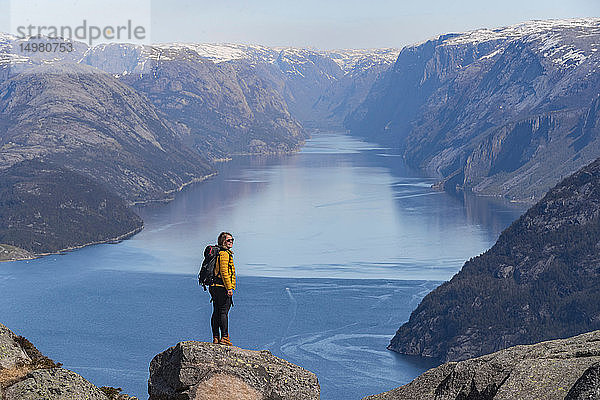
229 240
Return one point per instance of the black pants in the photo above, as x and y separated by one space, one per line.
221 305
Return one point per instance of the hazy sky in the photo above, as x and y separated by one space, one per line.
308 23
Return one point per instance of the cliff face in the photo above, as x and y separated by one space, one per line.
508 111
555 370
540 281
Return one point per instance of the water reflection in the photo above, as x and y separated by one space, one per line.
341 208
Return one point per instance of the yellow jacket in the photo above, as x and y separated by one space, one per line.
225 269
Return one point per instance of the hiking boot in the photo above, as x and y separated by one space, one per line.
225 341
216 340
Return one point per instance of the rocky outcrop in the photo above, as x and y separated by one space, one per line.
511 110
547 370
188 370
203 371
26 374
540 281
11 352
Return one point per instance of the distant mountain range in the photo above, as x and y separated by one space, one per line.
86 120
144 121
505 112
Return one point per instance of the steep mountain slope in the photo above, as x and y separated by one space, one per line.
540 281
45 208
217 108
504 112
86 120
317 88
234 109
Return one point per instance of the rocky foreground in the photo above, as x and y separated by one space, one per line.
566 369
188 370
26 374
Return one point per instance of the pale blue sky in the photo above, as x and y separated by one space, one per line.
325 23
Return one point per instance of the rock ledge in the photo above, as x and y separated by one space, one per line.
197 371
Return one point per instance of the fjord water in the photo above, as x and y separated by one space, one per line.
335 246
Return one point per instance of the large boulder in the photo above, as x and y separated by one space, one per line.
201 371
546 370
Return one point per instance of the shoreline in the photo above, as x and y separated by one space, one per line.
116 239
142 203
176 190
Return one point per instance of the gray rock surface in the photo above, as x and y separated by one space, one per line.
587 386
53 384
197 371
545 370
26 374
11 352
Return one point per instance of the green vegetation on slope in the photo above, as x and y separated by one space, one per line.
540 281
45 208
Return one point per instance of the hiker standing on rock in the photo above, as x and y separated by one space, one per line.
221 290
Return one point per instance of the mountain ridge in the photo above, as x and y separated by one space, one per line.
452 100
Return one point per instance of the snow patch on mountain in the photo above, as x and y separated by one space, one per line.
350 59
565 43
585 26
224 52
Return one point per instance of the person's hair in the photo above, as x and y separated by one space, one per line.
222 237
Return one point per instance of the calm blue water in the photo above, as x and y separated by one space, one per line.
335 246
